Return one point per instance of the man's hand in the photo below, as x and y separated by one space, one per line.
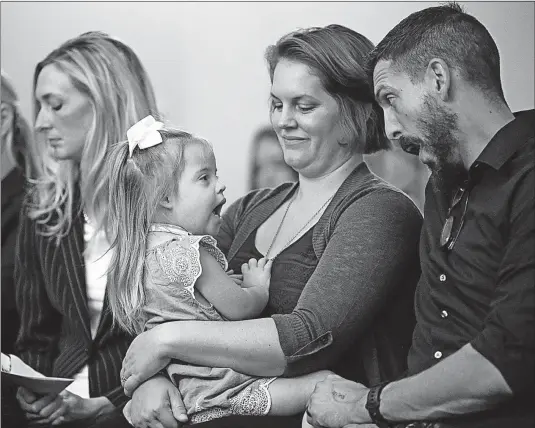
157 404
334 402
143 360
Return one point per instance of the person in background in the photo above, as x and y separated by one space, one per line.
16 142
403 170
267 166
88 92
471 364
343 244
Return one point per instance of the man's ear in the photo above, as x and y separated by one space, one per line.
6 116
165 202
438 78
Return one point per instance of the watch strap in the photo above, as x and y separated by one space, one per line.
372 405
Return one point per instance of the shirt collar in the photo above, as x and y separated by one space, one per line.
508 140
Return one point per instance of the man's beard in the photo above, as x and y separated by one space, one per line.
438 126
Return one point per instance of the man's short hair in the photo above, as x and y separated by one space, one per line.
448 33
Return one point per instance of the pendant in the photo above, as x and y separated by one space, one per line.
445 235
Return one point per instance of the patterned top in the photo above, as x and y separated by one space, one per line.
171 270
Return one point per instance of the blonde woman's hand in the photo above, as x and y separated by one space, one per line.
143 359
59 408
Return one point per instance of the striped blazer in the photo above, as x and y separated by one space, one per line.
55 335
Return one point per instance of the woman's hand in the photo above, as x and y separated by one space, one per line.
37 409
157 404
55 409
143 359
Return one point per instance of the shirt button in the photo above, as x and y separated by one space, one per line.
444 314
442 278
438 355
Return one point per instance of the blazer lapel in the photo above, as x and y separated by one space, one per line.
72 251
105 323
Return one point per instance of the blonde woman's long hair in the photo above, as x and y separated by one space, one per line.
137 184
20 141
111 75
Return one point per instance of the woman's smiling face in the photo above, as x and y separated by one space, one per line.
306 119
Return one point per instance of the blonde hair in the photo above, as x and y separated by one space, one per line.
110 74
20 143
137 184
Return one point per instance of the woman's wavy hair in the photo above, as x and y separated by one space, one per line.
111 75
20 141
337 56
137 184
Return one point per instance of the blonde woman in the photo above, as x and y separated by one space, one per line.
88 92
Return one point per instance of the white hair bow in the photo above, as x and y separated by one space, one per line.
144 134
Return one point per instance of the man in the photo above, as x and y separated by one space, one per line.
471 364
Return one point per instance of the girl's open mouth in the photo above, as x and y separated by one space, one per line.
217 209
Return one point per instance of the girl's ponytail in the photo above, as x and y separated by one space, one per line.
127 229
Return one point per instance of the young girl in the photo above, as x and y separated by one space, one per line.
165 206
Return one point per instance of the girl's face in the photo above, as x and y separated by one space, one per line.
65 114
197 205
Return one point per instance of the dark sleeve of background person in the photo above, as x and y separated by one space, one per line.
12 195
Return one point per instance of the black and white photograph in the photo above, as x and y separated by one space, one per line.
267 214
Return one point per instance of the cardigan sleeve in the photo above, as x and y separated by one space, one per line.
369 253
40 322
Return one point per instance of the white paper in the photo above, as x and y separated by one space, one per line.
22 374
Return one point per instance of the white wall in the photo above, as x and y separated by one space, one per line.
206 59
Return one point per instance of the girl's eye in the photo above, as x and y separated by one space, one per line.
203 177
56 107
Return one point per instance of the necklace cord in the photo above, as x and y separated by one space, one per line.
290 241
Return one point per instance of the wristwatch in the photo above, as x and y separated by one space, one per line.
372 405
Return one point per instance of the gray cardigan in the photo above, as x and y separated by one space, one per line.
360 297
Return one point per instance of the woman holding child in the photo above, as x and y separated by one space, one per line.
341 242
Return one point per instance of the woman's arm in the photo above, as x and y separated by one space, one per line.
40 322
250 346
369 264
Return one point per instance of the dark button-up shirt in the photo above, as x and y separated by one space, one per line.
482 291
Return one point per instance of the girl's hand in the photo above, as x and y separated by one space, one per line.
257 273
157 403
143 359
237 278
